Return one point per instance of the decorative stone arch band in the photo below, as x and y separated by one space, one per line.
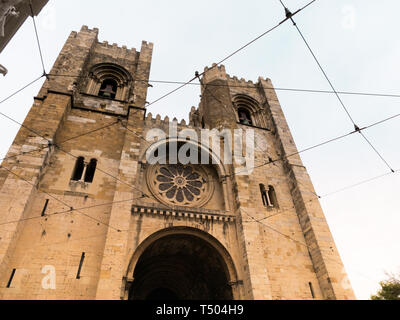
110 71
227 262
252 106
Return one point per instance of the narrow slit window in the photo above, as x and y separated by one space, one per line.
79 167
45 207
90 171
311 290
11 278
78 275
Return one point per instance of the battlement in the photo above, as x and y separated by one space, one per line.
111 49
87 29
214 66
218 72
235 81
148 45
166 121
117 50
214 73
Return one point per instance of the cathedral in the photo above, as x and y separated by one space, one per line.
87 216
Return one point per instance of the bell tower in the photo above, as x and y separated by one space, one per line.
73 151
285 236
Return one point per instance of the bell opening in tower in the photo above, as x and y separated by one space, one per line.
108 89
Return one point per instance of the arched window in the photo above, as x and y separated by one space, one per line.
90 170
272 197
268 196
108 89
264 195
249 111
244 116
110 81
79 167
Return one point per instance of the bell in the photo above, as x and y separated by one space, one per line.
108 91
243 119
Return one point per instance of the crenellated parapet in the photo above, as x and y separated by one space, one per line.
216 72
153 121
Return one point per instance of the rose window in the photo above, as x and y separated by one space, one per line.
180 185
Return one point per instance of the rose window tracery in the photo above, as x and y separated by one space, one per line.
181 185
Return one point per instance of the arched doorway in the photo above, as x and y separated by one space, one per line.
180 266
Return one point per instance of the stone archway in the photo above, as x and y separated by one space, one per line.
181 266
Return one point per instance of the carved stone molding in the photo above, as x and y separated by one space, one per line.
182 213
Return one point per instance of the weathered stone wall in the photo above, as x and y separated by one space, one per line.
60 237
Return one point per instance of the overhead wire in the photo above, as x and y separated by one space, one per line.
228 56
289 15
190 81
37 38
257 86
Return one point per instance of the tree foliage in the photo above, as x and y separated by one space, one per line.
390 289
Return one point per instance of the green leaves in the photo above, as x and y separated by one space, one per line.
390 290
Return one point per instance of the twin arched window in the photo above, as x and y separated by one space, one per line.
268 196
79 170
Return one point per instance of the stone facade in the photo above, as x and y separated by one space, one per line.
137 230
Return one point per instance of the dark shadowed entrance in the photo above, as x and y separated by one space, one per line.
180 266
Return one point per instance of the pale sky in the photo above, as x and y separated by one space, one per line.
356 42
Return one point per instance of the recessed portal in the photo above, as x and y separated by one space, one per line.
180 267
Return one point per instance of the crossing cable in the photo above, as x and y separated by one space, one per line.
61 201
271 161
289 15
332 193
23 88
319 145
229 56
368 94
125 125
37 38
60 143
281 212
197 75
70 210
222 104
51 143
299 242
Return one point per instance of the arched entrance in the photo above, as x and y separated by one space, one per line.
180 266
